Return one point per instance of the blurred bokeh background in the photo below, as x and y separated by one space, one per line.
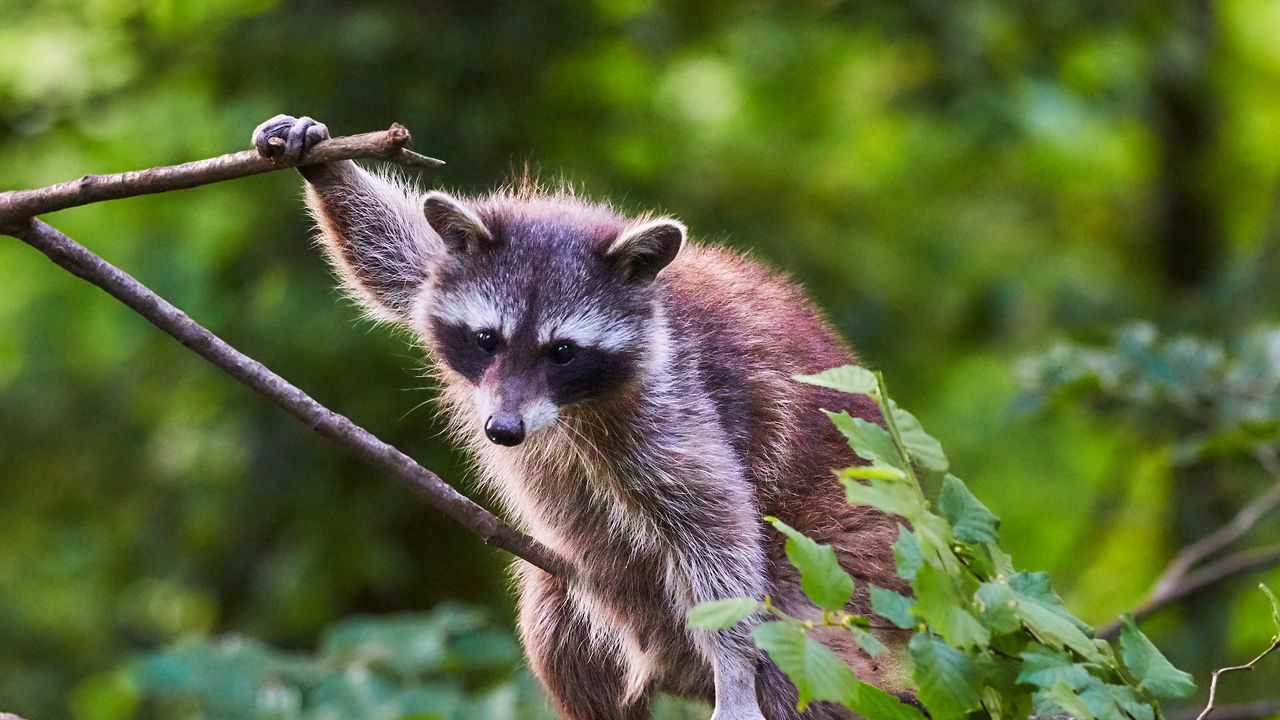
957 185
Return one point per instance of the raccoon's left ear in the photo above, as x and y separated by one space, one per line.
641 251
455 223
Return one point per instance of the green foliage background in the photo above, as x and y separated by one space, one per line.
955 183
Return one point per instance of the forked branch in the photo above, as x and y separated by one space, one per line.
17 210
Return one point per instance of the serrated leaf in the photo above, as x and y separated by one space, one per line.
847 379
997 607
720 614
1061 700
1131 704
1044 667
942 604
1102 701
923 448
1042 612
906 553
971 521
892 496
892 606
948 681
1149 666
818 673
868 440
821 577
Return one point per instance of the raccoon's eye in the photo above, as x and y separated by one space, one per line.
562 352
487 340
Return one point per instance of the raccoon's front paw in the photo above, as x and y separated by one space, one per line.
299 135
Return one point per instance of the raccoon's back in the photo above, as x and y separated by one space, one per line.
748 330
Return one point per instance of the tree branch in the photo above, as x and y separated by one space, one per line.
1213 683
18 205
15 219
1179 581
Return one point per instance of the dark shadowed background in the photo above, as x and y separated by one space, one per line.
956 184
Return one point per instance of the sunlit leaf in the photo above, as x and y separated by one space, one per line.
847 379
720 614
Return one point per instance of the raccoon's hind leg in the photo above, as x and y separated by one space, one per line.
585 682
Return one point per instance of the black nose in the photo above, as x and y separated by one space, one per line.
505 428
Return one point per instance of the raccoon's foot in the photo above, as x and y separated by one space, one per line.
299 135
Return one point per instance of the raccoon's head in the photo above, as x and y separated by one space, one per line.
540 303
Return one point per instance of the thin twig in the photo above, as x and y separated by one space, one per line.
78 260
18 205
1213 683
1179 581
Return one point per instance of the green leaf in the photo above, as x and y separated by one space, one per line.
720 614
906 553
949 683
923 448
1130 703
892 496
872 472
997 607
1062 700
1153 671
1002 697
870 441
873 703
1042 612
945 607
1044 667
971 521
818 673
847 379
892 606
821 577
869 642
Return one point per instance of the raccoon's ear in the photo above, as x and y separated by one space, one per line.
641 251
455 223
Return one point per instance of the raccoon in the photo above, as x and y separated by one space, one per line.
628 397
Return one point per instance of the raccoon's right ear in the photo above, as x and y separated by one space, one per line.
455 223
641 251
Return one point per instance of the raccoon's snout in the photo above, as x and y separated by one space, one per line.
505 428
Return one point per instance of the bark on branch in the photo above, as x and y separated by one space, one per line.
16 209
18 205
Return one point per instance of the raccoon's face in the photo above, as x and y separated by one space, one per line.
539 305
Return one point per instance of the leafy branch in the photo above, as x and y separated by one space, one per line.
17 211
985 637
